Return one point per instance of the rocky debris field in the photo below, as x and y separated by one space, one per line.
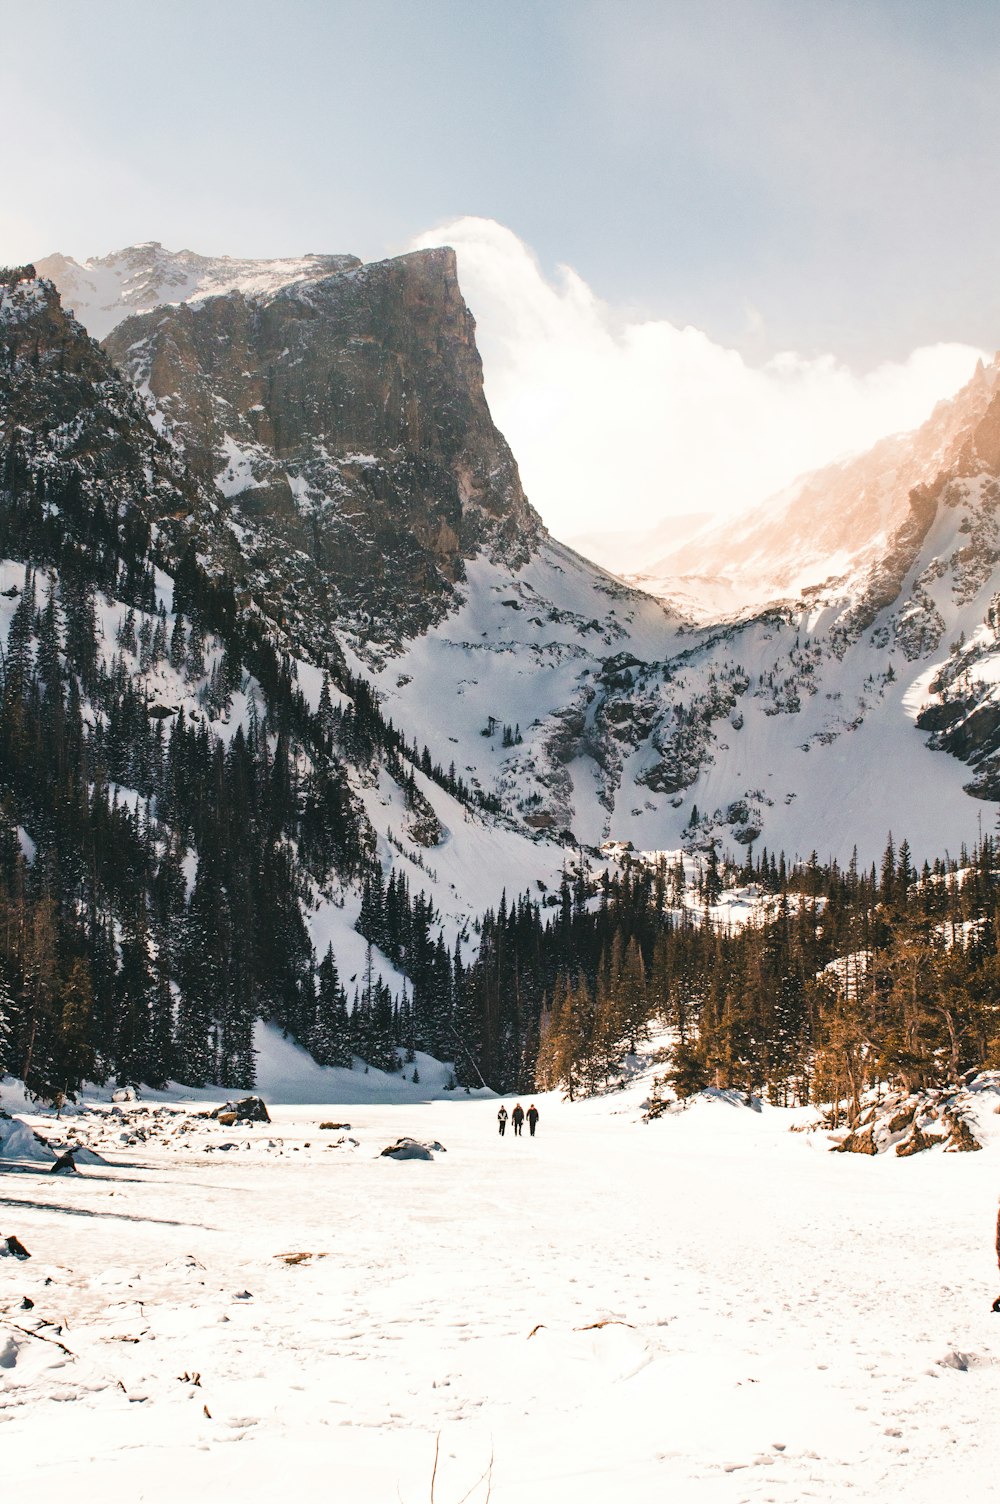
138 1129
960 1121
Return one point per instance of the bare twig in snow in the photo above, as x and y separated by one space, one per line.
487 1476
434 1471
42 1338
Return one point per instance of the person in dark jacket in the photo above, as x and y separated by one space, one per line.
532 1119
517 1118
502 1120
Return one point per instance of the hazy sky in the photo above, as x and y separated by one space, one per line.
618 421
815 176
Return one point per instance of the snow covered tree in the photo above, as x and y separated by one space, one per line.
6 1030
330 1039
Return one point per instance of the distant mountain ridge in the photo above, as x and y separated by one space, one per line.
820 534
104 290
630 551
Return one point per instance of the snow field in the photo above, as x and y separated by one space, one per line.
704 1307
821 772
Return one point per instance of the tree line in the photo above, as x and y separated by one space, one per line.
842 978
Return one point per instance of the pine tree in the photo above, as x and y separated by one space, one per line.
330 1040
689 1073
712 877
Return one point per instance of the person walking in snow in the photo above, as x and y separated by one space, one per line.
502 1120
517 1118
532 1119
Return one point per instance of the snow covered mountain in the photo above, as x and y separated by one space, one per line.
288 655
106 289
824 531
209 816
815 721
363 497
279 616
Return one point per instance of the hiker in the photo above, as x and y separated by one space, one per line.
517 1118
502 1120
532 1119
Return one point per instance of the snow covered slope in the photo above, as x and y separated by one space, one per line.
514 686
591 712
104 290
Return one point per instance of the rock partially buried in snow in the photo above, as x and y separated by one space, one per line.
84 1156
18 1142
246 1110
412 1148
911 1123
13 1248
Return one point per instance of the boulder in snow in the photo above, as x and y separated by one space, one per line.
84 1156
18 1142
912 1123
246 1110
13 1248
412 1148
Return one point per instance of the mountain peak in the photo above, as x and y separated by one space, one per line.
342 416
104 290
831 525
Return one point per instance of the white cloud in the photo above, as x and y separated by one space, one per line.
618 422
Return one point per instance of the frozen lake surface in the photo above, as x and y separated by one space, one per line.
708 1307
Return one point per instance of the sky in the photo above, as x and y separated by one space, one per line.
710 209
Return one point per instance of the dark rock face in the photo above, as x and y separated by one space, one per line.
345 423
983 448
885 579
246 1110
76 431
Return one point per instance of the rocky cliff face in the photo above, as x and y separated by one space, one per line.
344 425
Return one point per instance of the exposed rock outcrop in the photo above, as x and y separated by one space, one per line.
411 1148
344 423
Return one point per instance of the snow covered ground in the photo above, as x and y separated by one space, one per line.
707 1306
